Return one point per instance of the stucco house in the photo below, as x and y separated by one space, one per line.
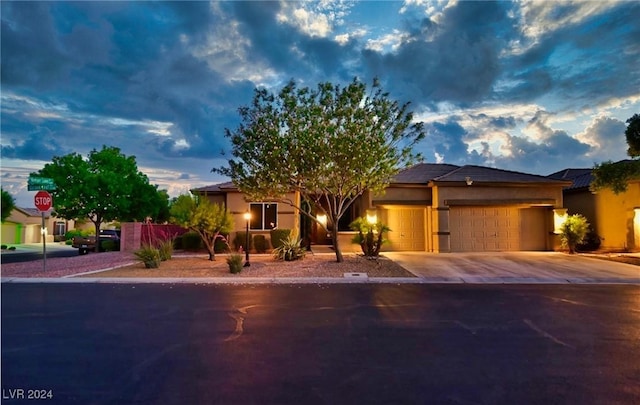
614 218
24 225
430 207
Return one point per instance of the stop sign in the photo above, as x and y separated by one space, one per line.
43 200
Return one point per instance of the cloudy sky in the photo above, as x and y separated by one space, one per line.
533 86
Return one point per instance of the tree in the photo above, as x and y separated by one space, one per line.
573 231
328 145
8 204
616 175
106 186
200 215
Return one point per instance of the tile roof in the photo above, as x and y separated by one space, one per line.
422 173
215 188
569 174
481 174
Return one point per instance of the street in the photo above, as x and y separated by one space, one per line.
321 344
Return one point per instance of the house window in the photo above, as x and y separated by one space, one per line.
60 228
264 216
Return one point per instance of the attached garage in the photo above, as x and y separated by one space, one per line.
495 229
407 229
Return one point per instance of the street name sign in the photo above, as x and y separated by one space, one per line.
40 183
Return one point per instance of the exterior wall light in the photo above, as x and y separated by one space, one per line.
322 219
559 216
636 227
468 180
372 216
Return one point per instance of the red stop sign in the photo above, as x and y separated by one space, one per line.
43 200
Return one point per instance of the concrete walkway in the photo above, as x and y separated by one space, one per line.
515 267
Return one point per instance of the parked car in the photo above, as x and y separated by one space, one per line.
109 238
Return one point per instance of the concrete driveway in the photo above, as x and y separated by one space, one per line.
515 267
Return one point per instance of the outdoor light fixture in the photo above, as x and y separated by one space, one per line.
559 216
247 217
322 219
372 216
468 180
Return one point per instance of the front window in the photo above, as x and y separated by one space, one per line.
264 216
60 228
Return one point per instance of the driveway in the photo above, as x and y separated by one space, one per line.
515 267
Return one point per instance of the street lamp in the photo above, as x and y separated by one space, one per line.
247 216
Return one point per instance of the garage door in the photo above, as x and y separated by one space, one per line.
407 229
484 229
9 230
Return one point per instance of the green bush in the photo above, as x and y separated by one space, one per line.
191 241
3 247
240 240
70 234
148 255
278 236
573 231
12 248
234 260
108 246
261 243
177 243
291 249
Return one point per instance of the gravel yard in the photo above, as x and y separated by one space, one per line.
123 264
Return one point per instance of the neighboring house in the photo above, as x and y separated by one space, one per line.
434 208
24 225
614 218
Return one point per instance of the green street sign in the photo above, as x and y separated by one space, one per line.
40 183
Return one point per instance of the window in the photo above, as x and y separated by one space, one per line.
264 216
60 228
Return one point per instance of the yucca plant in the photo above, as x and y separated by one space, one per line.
291 249
165 248
148 255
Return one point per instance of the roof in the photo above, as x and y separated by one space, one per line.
215 188
482 174
423 173
569 174
34 212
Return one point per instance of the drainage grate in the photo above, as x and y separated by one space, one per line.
355 275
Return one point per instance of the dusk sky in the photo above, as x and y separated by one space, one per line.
532 86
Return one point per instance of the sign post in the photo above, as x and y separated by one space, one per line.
43 203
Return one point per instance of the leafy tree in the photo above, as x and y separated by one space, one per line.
327 145
573 231
8 204
200 215
106 186
616 175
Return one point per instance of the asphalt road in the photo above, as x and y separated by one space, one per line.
321 344
31 254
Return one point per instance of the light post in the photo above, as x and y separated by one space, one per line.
247 216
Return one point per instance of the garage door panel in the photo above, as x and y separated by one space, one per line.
407 229
483 229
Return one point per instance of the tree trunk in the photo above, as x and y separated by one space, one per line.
97 226
336 247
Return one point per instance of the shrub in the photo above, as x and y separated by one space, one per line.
573 231
290 249
70 234
108 246
261 244
240 240
177 243
12 248
278 236
369 236
234 260
148 255
165 248
590 243
3 247
191 241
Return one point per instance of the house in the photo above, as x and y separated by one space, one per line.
614 218
24 225
430 207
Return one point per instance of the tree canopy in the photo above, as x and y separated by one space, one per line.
329 144
8 204
616 175
106 186
209 220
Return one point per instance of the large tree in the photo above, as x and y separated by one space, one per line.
616 175
8 204
106 186
328 145
209 220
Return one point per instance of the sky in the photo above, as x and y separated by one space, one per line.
530 86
